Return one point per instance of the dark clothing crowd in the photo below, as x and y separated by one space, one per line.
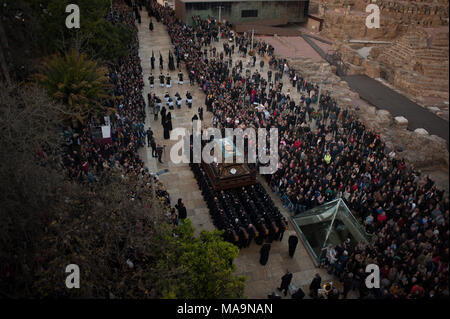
324 153
86 156
246 213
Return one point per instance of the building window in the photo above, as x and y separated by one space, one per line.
200 6
249 13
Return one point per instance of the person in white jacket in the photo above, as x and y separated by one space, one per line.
331 255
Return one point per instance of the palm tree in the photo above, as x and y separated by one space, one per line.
78 83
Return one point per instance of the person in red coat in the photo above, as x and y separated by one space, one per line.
381 217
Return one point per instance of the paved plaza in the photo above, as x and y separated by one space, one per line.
383 97
180 181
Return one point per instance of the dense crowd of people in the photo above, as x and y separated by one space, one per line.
246 215
85 158
325 153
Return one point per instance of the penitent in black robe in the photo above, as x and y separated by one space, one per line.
265 249
293 241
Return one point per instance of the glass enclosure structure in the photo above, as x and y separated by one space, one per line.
331 223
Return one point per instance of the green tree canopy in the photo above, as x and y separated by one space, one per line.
204 266
48 223
97 36
29 184
78 83
118 222
31 29
108 42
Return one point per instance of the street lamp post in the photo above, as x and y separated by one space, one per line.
220 18
318 96
320 86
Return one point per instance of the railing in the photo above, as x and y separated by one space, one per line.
288 204
318 49
319 39
334 59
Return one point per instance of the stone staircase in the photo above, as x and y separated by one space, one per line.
418 65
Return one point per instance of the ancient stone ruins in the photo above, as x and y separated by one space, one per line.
410 50
409 53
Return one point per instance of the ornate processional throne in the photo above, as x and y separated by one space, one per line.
224 175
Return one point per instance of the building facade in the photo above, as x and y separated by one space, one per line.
242 11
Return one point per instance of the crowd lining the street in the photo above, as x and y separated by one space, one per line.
325 153
85 158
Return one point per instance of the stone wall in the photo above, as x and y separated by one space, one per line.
357 64
426 13
338 26
345 19
313 25
417 61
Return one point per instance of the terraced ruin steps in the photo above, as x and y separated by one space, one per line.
417 66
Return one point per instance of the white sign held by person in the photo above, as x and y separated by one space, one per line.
373 279
73 280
